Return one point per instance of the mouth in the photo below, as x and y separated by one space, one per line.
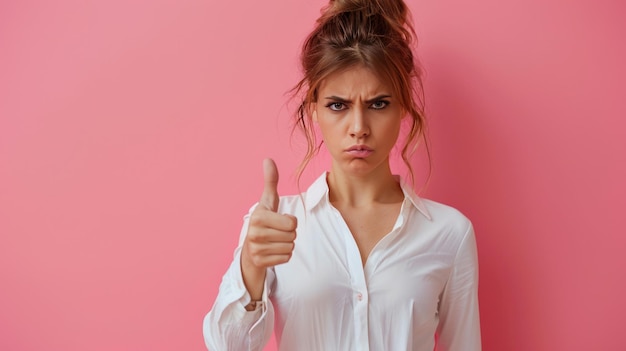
360 151
359 148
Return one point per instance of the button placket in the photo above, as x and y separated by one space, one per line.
357 282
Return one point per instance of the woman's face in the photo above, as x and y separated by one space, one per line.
359 119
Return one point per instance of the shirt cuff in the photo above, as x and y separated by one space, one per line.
240 290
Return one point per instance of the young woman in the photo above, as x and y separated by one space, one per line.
358 261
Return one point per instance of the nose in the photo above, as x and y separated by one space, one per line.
359 127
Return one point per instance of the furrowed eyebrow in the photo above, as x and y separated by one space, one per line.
342 100
379 97
337 98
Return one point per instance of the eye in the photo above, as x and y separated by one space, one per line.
336 106
379 105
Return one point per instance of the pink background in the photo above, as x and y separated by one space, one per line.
132 133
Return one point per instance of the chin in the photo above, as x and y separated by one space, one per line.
360 167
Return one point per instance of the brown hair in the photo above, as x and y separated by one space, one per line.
377 34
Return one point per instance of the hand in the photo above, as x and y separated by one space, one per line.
270 237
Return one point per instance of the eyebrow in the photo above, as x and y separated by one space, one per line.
342 100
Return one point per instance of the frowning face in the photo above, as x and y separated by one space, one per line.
359 119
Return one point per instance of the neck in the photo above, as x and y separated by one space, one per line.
354 190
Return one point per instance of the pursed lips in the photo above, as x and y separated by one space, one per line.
359 151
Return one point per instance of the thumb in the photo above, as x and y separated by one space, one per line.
269 198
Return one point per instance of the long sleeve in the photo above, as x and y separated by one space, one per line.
459 320
228 326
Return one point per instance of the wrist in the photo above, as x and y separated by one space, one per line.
253 279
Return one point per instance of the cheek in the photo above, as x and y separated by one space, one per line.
328 133
322 130
327 125
392 134
391 127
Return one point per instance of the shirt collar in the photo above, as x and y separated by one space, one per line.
415 200
316 192
319 190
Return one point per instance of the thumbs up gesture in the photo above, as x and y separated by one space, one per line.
270 237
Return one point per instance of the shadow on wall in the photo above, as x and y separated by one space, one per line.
475 170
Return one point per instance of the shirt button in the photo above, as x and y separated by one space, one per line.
359 296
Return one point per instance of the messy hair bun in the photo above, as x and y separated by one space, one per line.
377 34
394 12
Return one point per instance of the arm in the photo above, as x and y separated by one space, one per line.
228 326
459 322
267 239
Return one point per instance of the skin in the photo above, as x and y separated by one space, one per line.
270 238
355 107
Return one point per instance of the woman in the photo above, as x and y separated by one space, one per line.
374 267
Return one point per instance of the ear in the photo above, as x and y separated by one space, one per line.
313 110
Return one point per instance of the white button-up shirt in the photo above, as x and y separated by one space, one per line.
420 280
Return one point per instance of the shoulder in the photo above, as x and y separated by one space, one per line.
447 218
436 215
447 230
445 213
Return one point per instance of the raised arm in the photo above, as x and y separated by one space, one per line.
242 317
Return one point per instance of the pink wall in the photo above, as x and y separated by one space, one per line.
132 133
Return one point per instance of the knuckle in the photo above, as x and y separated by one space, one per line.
252 235
256 217
252 250
293 223
257 234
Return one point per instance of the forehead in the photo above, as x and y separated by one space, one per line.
357 80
